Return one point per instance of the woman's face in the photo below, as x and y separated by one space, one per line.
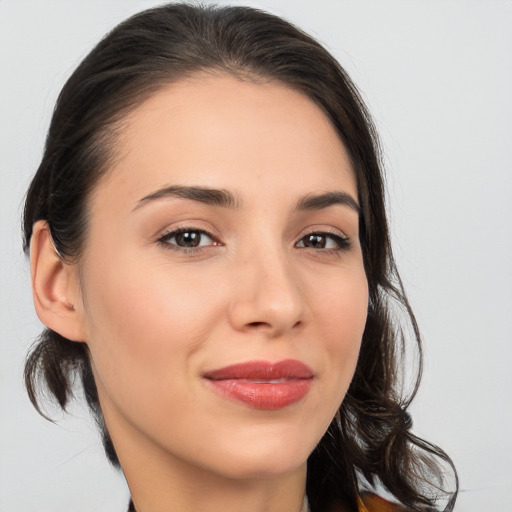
223 294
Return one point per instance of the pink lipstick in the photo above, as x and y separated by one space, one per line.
261 384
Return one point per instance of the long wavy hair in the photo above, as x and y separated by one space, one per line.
369 444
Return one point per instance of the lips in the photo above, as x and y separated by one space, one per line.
262 384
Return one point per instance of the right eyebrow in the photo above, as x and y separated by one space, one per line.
210 196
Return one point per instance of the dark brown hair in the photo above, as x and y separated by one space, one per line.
369 443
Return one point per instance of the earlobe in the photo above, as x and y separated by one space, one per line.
55 286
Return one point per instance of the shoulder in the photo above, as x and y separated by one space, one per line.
373 503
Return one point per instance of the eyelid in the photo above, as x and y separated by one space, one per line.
188 224
324 230
163 238
343 241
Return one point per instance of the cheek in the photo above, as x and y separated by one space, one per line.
343 304
144 329
341 314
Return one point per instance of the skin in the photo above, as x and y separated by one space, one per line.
156 316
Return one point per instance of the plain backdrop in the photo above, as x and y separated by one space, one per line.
437 76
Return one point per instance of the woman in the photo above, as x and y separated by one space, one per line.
209 251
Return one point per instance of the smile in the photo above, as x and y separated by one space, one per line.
261 384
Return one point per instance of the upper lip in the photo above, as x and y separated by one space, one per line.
262 370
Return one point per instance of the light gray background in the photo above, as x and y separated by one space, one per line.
437 76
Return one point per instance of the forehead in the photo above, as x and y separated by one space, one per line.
220 131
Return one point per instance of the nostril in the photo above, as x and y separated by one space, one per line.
257 324
261 324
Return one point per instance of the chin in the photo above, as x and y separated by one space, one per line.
272 468
264 458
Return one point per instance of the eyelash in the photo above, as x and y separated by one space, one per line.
343 243
166 237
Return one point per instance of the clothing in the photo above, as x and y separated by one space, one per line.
373 503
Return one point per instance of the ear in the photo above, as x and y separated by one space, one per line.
55 286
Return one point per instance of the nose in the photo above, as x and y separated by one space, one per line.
267 295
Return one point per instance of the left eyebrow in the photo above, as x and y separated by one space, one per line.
325 200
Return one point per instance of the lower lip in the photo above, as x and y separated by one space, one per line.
263 395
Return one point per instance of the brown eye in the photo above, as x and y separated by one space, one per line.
187 239
319 241
315 241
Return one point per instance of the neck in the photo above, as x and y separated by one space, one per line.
177 487
162 482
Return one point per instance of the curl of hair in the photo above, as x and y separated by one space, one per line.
369 442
